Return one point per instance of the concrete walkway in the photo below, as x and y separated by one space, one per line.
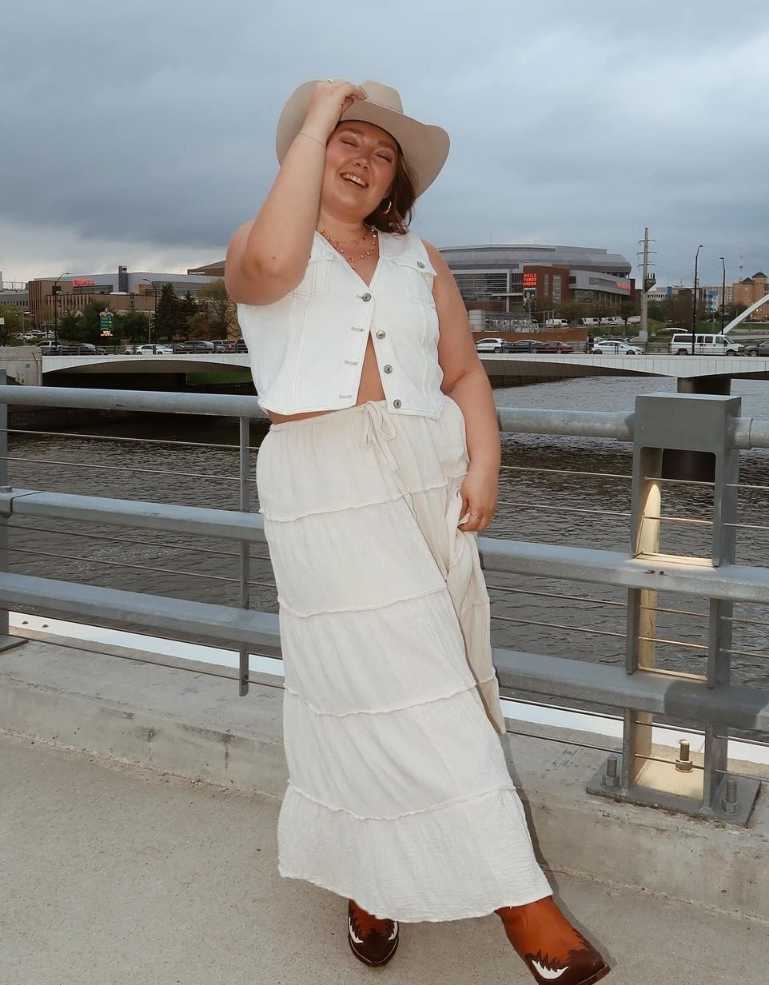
117 875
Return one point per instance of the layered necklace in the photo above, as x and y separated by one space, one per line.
370 236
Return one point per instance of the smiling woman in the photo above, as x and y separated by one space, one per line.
379 469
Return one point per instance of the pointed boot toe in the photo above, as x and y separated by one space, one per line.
373 947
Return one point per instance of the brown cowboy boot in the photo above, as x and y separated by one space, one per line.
372 941
552 949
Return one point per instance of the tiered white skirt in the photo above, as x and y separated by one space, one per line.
399 795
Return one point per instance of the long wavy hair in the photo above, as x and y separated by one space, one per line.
402 196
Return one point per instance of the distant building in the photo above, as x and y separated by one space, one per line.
126 291
515 279
750 290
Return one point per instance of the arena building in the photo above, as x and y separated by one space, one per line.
507 284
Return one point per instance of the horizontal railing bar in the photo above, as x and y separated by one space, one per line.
734 706
750 622
674 612
118 468
678 482
739 583
577 423
122 564
659 572
88 535
553 625
138 567
185 620
658 639
748 432
202 521
151 401
554 595
747 526
746 653
116 437
561 508
746 485
679 519
601 475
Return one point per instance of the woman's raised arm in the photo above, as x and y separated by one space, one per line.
267 256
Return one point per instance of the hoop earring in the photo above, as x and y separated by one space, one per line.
389 207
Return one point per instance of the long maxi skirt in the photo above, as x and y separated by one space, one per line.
399 795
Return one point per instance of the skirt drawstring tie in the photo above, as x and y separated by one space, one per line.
378 430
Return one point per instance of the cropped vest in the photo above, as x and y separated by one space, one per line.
306 350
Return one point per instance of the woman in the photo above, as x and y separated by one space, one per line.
377 474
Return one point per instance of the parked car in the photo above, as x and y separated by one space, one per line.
705 344
519 345
760 348
153 349
199 345
489 345
553 345
615 347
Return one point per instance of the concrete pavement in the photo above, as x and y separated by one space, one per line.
114 874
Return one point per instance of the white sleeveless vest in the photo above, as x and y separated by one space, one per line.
306 350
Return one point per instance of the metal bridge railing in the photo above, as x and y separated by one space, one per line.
676 439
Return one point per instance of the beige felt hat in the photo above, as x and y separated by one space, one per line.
425 147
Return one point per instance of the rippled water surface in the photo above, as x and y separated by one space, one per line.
536 503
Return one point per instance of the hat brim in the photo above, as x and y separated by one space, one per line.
425 147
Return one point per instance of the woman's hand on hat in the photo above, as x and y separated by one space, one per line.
328 100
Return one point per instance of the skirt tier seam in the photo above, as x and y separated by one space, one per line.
432 809
364 608
385 711
350 506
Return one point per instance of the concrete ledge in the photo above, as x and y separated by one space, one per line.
192 723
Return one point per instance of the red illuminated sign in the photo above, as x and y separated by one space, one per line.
82 282
624 285
529 280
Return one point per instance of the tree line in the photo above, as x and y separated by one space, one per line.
210 315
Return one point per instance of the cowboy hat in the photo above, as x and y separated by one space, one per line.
425 147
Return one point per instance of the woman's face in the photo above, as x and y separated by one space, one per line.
362 151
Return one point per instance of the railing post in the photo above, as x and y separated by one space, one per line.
245 560
6 640
673 434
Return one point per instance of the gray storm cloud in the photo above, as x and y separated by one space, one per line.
151 128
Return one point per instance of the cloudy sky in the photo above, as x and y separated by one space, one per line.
142 133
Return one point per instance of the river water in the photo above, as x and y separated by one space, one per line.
585 622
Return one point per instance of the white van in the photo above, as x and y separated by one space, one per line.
704 345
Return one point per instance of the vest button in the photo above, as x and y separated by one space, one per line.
388 368
365 297
420 265
380 334
396 403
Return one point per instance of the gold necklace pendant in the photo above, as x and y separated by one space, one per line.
372 230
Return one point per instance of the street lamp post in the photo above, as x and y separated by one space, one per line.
723 293
694 298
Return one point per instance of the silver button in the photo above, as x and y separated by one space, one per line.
380 334
396 403
365 297
388 368
420 264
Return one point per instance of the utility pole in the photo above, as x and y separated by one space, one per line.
723 293
694 298
649 280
